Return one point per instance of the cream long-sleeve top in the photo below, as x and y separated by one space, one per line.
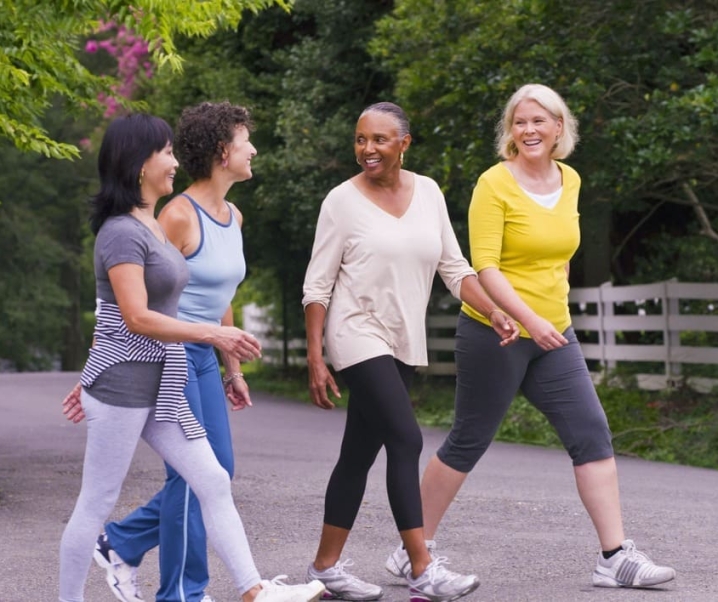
374 271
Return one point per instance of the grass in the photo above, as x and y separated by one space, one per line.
678 426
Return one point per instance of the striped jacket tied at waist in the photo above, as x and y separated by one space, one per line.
114 343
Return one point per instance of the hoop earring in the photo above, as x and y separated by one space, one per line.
142 175
358 162
224 163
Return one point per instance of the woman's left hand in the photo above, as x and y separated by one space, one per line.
71 405
505 327
237 391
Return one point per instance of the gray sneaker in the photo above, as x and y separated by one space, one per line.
630 568
399 565
342 585
439 584
120 576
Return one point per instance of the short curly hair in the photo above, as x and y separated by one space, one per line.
203 131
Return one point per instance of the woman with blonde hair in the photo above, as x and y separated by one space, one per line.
524 229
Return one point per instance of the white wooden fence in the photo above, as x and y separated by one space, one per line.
648 325
666 309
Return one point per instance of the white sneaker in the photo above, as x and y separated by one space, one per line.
630 568
121 577
278 591
398 563
439 584
342 585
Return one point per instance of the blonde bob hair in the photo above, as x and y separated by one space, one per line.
554 104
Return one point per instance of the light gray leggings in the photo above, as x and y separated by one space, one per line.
112 436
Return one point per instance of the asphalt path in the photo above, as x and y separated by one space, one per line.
517 523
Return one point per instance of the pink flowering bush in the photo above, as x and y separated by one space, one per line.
133 61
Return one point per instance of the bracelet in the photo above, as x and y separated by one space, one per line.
230 377
493 310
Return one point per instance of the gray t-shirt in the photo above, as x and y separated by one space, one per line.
124 239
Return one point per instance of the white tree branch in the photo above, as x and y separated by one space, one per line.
705 222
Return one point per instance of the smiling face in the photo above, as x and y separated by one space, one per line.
239 153
378 144
159 174
534 131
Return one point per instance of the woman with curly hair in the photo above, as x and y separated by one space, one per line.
213 147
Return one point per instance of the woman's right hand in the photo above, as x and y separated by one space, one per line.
505 326
544 333
319 379
236 342
72 405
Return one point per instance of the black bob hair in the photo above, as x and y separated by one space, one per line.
128 142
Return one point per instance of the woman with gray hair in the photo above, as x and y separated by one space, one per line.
523 230
381 237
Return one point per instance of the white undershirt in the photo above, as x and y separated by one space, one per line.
545 200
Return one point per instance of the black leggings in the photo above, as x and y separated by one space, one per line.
379 414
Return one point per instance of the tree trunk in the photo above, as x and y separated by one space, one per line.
595 241
73 352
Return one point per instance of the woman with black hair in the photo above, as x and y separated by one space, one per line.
133 380
213 147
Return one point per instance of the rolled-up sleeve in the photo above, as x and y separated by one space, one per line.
453 266
325 260
486 226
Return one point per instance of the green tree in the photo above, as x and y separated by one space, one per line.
40 61
50 99
639 75
306 76
328 79
44 203
32 302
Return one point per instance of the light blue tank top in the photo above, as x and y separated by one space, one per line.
215 269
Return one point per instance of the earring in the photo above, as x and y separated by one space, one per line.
401 157
142 175
358 162
224 163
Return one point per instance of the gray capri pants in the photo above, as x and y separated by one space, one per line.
556 382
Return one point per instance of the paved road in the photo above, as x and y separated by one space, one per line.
517 523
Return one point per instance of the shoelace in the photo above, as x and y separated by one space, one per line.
133 581
133 571
633 554
340 567
278 581
437 569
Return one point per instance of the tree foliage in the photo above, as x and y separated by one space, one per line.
32 302
639 75
306 76
52 100
40 61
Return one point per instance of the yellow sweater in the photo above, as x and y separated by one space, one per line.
529 243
